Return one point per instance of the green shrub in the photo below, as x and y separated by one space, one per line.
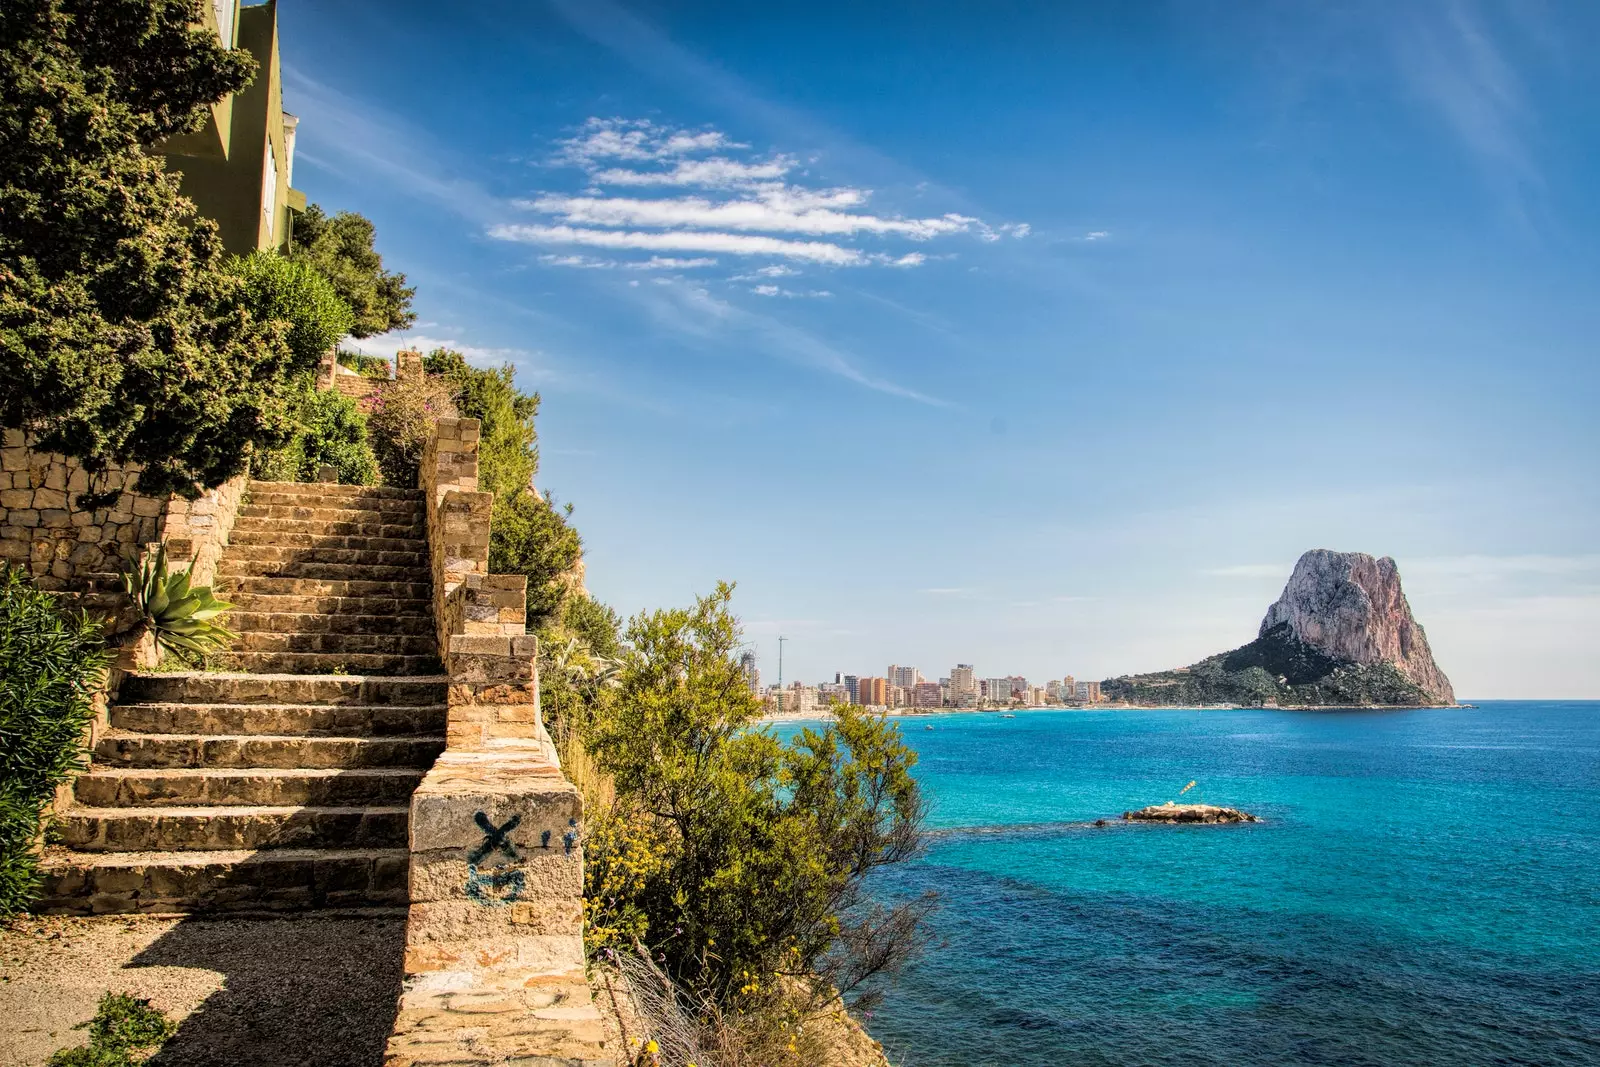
508 452
367 366
332 429
125 1030
737 859
340 247
51 661
399 420
291 291
530 535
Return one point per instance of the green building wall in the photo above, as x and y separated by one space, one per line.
227 177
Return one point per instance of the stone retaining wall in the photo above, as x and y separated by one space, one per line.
69 548
495 970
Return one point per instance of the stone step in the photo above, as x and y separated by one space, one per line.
341 643
332 528
385 492
80 883
321 587
293 554
296 539
333 662
305 720
364 503
350 691
254 513
199 751
272 603
198 829
333 572
124 787
297 622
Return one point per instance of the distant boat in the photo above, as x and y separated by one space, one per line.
928 727
1008 715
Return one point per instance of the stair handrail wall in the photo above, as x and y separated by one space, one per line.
494 964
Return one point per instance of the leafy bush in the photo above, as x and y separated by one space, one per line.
124 1027
181 618
290 291
508 451
529 534
367 366
737 859
399 420
50 664
333 429
340 248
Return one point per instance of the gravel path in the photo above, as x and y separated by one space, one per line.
303 991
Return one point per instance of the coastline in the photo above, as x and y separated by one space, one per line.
916 713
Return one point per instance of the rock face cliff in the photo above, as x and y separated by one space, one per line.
1341 634
1351 607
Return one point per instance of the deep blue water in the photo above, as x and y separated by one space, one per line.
1425 890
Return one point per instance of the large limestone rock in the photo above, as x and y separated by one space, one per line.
1351 607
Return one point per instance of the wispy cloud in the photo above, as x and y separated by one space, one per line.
769 210
735 244
694 310
713 173
638 140
744 204
775 290
653 263
1251 570
1456 67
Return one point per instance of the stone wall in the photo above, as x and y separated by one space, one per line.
495 970
69 548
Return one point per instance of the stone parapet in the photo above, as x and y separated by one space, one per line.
495 969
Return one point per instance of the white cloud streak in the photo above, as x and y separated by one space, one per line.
726 243
776 211
714 173
653 263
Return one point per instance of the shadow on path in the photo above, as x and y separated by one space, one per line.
303 990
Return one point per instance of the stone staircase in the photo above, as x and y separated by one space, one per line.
286 784
330 578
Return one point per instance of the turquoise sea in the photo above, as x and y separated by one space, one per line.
1425 890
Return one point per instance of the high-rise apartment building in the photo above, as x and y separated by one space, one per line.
872 692
904 677
963 686
851 686
752 673
926 695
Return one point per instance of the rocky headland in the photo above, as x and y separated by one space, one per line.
1174 812
1341 635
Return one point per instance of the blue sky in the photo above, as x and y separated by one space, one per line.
1042 336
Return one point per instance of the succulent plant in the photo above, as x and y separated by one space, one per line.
178 616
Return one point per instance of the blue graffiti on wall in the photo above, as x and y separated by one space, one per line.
501 884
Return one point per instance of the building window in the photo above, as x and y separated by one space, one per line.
224 10
269 190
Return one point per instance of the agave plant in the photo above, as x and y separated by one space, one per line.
180 617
